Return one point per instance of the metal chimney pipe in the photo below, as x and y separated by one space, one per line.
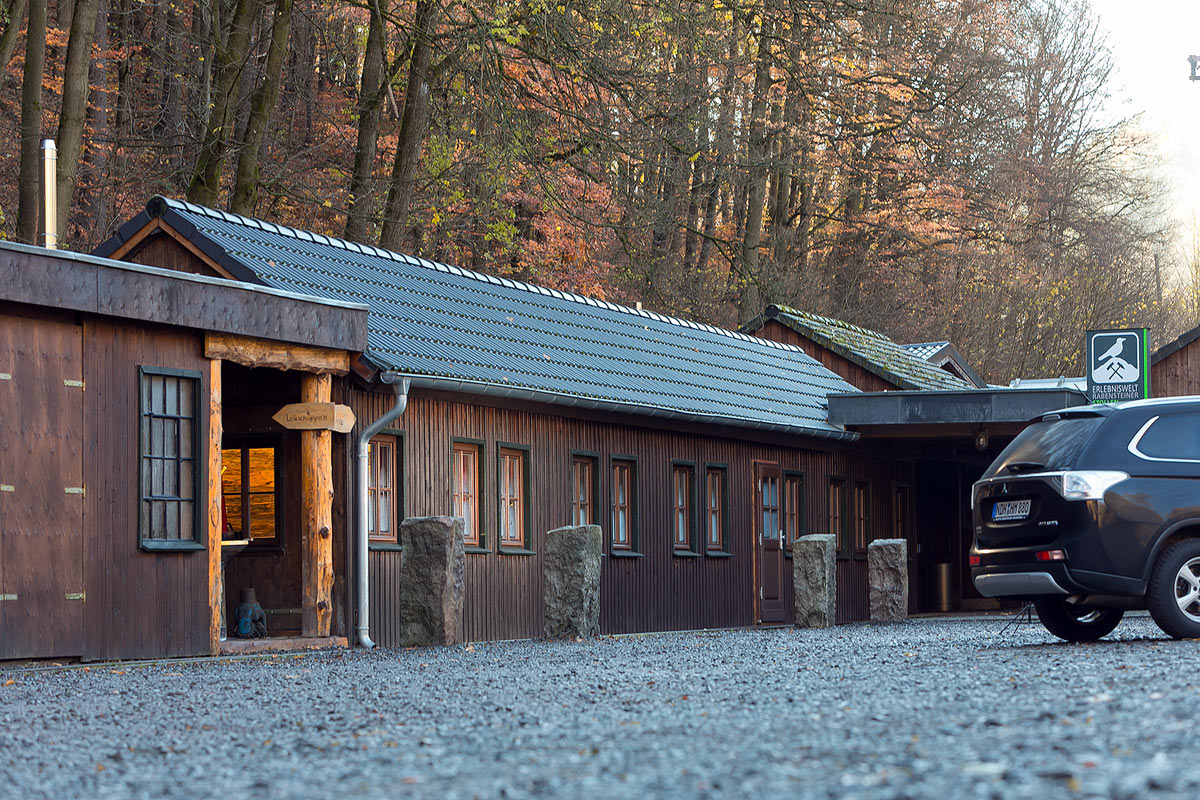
49 194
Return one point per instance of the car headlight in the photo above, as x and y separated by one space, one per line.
1090 484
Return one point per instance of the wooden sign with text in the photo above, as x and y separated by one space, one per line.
316 417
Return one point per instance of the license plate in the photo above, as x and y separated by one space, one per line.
1005 510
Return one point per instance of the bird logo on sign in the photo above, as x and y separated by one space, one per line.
1111 366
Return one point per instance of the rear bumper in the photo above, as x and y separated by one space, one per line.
1018 584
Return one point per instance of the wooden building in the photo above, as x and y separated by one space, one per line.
111 380
1175 367
701 452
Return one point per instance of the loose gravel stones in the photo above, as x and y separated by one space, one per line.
933 708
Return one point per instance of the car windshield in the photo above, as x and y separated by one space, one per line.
1046 445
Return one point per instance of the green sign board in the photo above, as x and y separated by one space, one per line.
1118 365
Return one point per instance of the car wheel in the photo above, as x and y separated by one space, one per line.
1174 592
1076 623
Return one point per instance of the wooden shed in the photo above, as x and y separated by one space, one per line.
111 379
701 452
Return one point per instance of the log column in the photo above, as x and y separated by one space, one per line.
216 584
316 474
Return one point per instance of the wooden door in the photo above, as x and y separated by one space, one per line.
769 540
41 488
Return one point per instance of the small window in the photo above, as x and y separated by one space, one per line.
465 491
900 511
382 492
583 490
250 491
793 508
862 516
683 478
837 511
514 502
170 440
768 487
715 504
624 505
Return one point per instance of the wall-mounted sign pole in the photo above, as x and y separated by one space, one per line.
1118 365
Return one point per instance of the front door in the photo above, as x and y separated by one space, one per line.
769 540
41 488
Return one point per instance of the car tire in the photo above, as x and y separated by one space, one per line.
1173 595
1076 623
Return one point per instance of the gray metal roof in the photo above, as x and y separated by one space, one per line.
472 332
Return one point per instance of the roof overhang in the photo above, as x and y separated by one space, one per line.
75 282
946 414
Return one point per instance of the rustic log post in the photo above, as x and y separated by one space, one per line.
316 470
216 583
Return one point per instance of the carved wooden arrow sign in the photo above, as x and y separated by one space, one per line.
316 417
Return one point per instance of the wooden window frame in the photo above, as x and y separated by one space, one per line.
274 545
722 549
392 542
525 500
841 533
478 543
861 525
593 460
690 547
904 528
199 459
632 549
801 511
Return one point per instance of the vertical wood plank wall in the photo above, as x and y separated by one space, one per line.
656 592
139 604
1178 374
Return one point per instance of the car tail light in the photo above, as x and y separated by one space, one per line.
1089 484
1051 555
975 561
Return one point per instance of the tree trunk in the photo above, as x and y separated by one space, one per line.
97 205
205 184
370 96
245 189
74 108
750 298
31 123
16 10
413 126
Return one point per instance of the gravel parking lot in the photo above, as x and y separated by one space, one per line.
927 709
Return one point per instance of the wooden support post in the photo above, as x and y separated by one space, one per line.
216 585
316 471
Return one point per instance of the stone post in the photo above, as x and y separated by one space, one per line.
571 568
814 574
887 575
431 581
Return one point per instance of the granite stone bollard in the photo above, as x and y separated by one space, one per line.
814 574
431 581
571 571
887 575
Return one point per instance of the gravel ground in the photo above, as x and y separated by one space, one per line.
928 709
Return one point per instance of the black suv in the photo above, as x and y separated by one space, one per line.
1093 511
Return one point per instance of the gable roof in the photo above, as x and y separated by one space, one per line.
869 349
925 350
451 328
946 356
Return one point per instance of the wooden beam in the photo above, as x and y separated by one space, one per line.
316 475
216 584
264 353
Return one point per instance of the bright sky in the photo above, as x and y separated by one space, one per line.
1151 40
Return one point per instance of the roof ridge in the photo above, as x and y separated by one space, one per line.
297 233
834 322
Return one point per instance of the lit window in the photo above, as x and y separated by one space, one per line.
249 489
465 483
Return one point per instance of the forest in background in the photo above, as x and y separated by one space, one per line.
946 169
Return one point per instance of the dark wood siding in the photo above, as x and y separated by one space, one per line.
139 604
852 373
658 591
160 250
1178 374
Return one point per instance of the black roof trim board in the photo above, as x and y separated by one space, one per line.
1174 346
457 330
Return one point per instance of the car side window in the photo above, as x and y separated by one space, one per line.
1172 436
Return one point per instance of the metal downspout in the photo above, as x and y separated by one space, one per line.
400 387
